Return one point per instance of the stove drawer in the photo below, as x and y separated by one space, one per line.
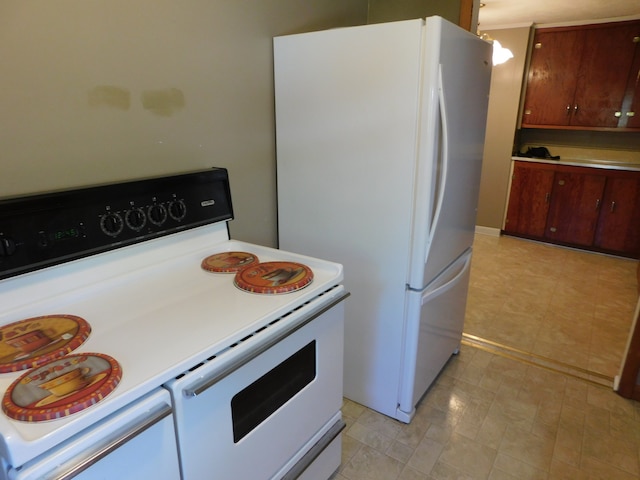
258 417
134 443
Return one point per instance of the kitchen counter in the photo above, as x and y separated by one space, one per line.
559 201
581 162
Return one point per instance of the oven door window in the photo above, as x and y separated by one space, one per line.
251 406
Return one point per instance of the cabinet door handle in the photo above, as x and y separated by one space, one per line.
575 109
613 206
597 204
568 109
547 197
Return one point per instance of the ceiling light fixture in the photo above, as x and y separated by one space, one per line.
500 53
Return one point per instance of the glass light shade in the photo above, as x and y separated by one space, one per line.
500 54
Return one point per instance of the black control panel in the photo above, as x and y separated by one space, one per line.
46 229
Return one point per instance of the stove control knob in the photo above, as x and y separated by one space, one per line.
111 224
7 247
177 210
157 214
136 219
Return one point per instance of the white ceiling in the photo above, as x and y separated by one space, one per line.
509 12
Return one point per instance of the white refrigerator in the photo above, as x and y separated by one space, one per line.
380 131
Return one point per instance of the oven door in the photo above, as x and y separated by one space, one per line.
266 403
134 443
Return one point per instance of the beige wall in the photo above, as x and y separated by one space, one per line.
391 10
504 101
93 92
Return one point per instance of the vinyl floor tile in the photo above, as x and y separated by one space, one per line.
491 416
568 305
526 423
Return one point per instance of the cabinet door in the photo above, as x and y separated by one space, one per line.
633 114
529 199
607 59
630 112
619 223
575 206
553 74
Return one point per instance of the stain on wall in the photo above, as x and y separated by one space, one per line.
110 96
57 55
163 103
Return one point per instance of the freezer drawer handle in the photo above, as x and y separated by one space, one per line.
205 383
447 285
81 462
315 451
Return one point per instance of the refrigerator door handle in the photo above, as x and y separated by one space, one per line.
443 288
443 160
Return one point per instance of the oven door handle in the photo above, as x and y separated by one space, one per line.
204 383
82 462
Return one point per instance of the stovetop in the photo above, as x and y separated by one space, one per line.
152 308
126 259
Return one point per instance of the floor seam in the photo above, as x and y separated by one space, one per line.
592 377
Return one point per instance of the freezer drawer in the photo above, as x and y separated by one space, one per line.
435 320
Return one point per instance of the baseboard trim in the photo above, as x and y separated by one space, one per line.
494 232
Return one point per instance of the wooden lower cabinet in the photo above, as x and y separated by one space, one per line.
619 222
575 207
528 207
591 208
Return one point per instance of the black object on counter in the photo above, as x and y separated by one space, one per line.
538 152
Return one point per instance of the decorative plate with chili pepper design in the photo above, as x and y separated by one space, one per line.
228 262
35 341
62 387
274 277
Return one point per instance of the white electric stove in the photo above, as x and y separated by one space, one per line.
207 367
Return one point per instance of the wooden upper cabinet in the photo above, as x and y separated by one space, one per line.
581 77
553 74
630 113
607 58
